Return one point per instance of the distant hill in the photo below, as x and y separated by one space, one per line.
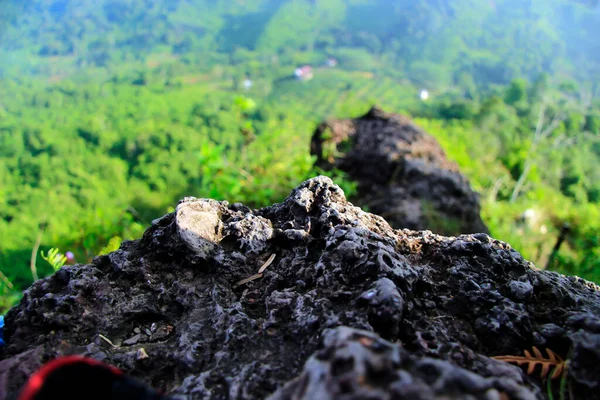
436 42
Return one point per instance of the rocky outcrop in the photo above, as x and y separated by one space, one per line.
309 299
402 173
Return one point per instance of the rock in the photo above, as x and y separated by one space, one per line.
141 354
348 308
355 364
199 225
133 340
402 173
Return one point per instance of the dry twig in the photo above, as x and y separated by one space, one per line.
260 272
249 279
266 264
107 340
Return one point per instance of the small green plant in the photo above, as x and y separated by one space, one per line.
113 245
5 284
54 258
8 295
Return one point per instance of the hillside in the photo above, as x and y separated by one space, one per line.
112 111
434 42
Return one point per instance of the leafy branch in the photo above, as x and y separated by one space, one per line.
54 258
553 360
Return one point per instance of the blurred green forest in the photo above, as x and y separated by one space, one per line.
111 111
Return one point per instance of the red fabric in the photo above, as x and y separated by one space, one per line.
36 381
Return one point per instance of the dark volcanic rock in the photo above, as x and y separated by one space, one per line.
402 173
349 308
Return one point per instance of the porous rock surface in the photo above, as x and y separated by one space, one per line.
348 309
402 173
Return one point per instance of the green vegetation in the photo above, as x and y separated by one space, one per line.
111 111
55 259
